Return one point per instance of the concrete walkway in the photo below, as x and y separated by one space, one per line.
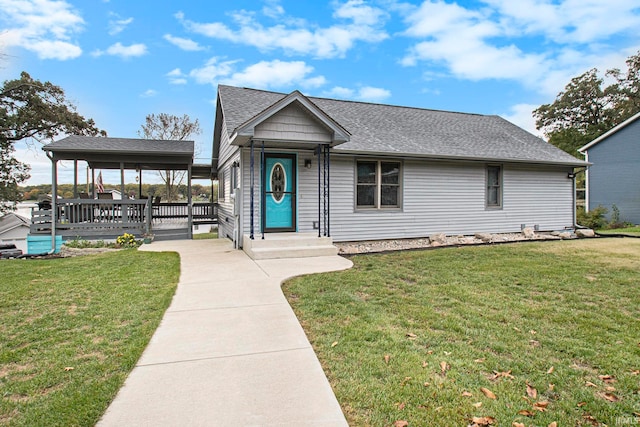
229 350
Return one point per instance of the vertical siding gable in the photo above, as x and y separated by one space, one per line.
614 176
292 123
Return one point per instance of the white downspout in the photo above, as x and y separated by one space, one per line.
586 183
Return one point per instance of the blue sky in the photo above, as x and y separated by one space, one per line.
120 60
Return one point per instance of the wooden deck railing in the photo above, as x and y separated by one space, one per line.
107 218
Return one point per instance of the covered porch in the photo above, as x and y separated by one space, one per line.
98 215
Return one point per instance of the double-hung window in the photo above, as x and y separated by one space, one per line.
494 187
378 184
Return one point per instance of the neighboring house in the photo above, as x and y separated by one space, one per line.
13 230
361 171
614 176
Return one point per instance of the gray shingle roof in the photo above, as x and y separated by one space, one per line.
10 221
406 131
91 144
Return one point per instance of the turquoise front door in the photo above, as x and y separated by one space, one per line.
280 192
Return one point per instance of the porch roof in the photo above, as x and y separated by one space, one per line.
110 153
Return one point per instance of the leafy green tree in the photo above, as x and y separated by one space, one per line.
30 109
585 109
169 127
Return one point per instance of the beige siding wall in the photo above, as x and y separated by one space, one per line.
292 124
227 155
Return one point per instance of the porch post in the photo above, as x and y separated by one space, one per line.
54 205
262 191
251 177
328 190
319 191
93 183
122 179
189 207
75 178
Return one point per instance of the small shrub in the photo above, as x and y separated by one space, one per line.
594 219
615 218
127 241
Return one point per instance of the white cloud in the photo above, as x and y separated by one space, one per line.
272 9
364 93
45 27
118 49
294 37
182 43
149 93
274 74
538 44
118 24
176 77
262 75
373 94
521 115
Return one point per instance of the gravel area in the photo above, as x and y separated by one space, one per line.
440 240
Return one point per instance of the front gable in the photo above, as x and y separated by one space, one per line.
295 119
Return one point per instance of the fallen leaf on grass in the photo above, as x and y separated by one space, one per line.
411 335
444 367
401 405
466 394
609 388
581 404
400 423
534 343
550 371
635 371
405 381
590 384
526 413
497 375
532 332
333 344
553 424
610 397
483 421
426 384
531 391
488 393
424 364
480 360
68 368
515 424
541 406
387 358
607 378
551 386
477 404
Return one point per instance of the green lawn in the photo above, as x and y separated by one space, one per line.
417 336
202 236
631 231
72 329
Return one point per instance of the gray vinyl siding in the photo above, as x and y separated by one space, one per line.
437 197
292 124
614 176
228 154
450 198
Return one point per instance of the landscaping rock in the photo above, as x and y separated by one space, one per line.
529 232
440 238
485 237
67 252
565 235
585 232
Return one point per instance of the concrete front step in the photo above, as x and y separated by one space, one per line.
288 245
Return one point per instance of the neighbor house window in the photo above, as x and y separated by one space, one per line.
378 184
494 186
